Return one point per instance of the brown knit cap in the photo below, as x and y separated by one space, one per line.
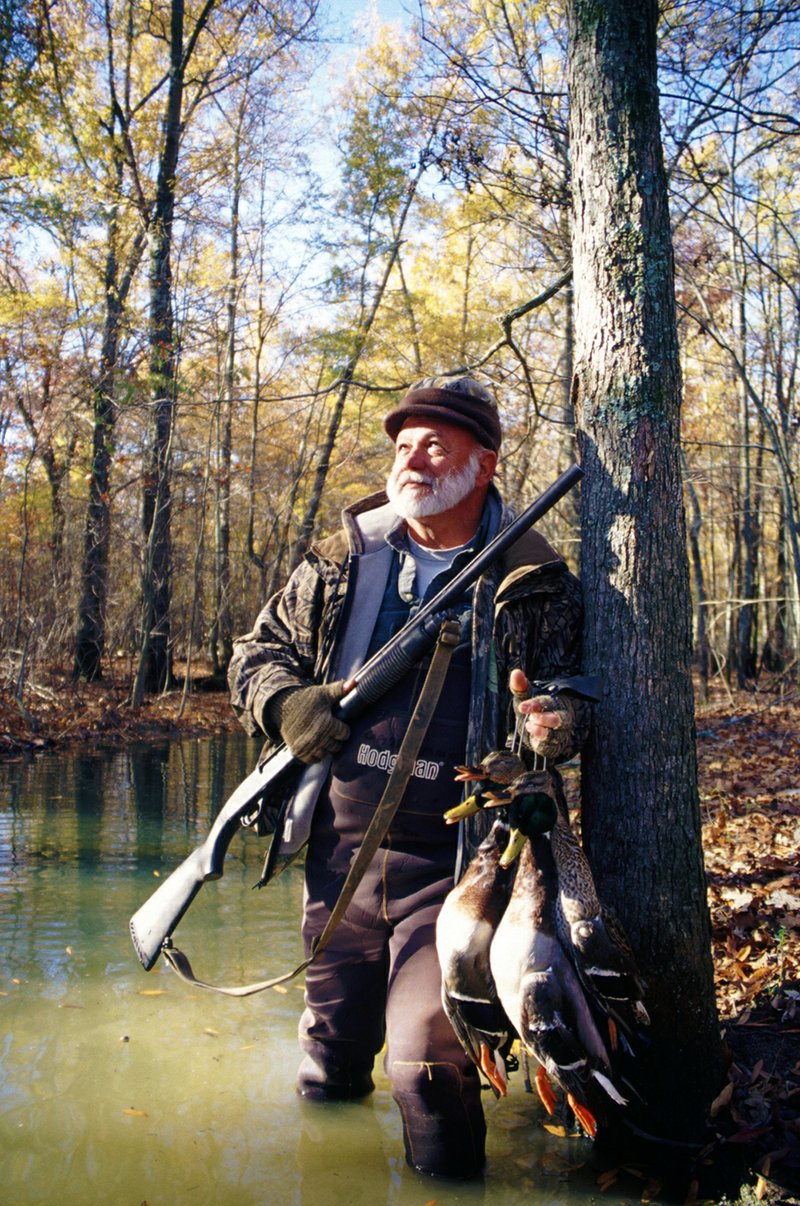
460 400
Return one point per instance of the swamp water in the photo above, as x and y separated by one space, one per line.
118 1086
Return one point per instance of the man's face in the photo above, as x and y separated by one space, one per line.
437 465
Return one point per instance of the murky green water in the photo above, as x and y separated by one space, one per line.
126 1087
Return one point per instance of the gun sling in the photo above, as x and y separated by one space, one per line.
378 826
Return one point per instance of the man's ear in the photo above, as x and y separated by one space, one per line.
488 464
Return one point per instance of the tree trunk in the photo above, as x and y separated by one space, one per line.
155 659
221 638
641 817
745 627
90 629
90 634
570 505
701 642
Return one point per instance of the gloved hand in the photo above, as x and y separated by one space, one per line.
303 717
548 720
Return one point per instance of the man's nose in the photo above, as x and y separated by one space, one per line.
416 458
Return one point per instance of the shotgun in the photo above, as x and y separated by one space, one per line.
152 925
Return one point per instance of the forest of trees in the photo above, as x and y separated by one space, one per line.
233 234
230 239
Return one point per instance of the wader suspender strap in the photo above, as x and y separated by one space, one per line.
378 826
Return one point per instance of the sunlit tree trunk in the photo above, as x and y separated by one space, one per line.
570 505
154 672
641 817
90 633
695 527
745 627
221 641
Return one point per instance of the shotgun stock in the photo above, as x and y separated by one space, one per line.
153 924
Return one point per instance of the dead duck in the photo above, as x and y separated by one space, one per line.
601 951
543 997
464 931
590 931
493 772
498 767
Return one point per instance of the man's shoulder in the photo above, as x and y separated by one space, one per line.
330 548
532 566
531 551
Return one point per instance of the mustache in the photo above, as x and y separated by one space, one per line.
412 477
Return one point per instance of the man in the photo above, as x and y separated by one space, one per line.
378 979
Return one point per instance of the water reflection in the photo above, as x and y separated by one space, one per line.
117 1086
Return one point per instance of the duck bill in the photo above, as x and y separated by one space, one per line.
514 848
467 808
468 774
497 799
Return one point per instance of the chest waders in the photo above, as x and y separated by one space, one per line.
378 977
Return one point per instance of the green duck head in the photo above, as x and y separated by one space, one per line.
532 813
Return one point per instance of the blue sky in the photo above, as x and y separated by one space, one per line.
350 10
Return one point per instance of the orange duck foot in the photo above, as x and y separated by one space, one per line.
492 1072
545 1090
585 1118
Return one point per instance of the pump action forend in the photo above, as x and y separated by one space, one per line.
153 924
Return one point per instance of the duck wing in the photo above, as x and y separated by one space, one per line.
543 997
594 936
465 928
553 1033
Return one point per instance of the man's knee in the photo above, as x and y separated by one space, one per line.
443 1125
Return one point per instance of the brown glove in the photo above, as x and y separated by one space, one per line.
303 717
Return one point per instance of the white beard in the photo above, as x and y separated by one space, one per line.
445 492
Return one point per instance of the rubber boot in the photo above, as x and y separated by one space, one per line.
325 1076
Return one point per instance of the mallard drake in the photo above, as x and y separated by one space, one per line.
464 931
542 995
532 808
589 930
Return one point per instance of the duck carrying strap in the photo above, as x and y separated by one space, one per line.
378 826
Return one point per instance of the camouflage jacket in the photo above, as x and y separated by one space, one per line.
527 613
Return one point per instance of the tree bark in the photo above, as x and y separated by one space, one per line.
221 637
641 817
695 527
154 671
156 655
90 633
